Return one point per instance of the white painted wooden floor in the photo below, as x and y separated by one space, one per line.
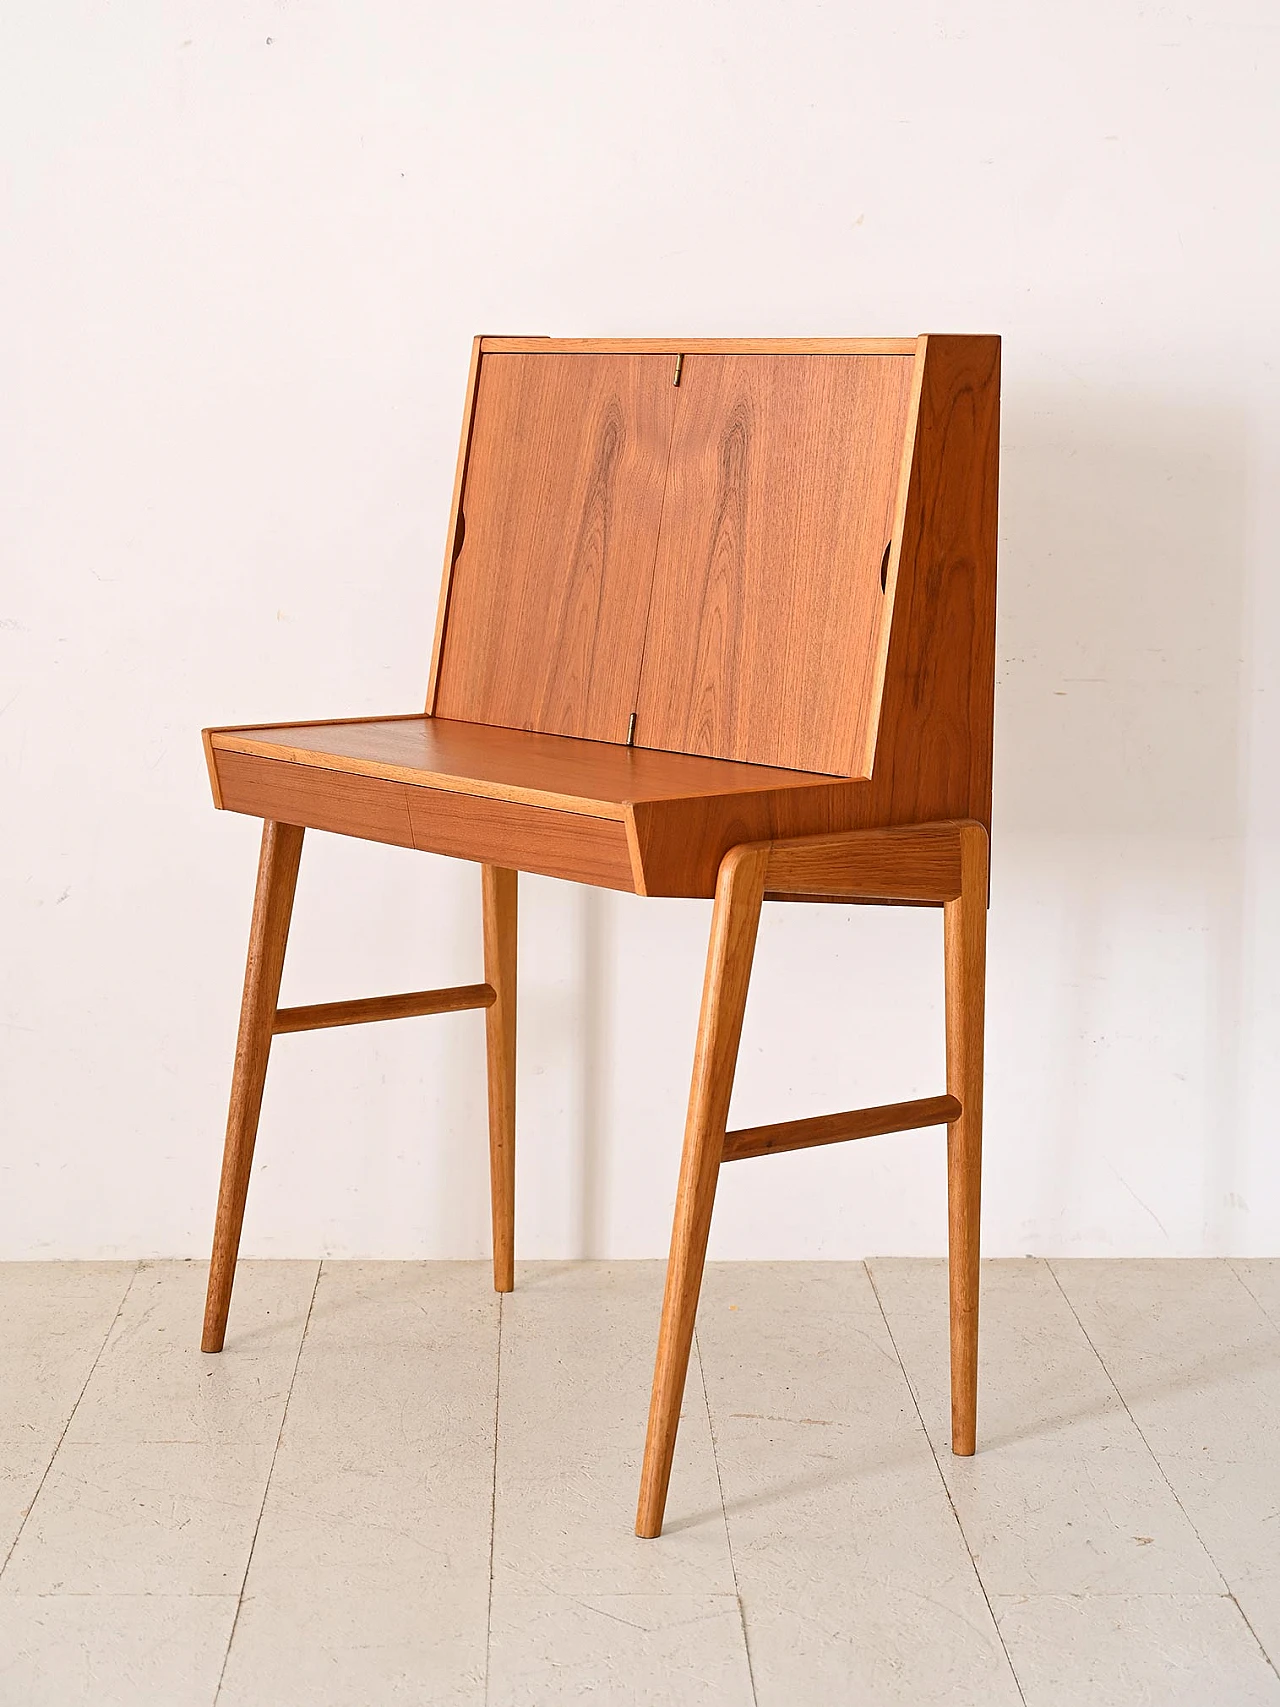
393 1489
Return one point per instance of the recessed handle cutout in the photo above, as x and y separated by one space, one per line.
884 568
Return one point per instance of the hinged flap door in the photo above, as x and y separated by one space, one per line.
560 508
767 597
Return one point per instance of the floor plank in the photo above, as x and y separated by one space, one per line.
630 1650
54 1322
157 1486
1197 1361
296 1646
87 1650
381 1498
1063 1496
577 1361
1115 1650
432 1492
855 1580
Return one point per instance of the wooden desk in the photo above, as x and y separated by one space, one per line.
717 619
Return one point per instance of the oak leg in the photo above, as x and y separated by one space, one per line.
268 934
965 935
739 892
499 893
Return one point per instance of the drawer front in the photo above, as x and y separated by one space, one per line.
465 826
364 806
528 838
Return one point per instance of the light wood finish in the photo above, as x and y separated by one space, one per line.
965 933
734 923
766 596
413 1004
556 844
451 788
941 862
268 935
598 778
717 618
499 903
702 346
454 537
320 800
211 767
934 741
559 523
839 1128
920 862
934 651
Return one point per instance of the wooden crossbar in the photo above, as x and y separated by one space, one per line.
911 863
836 1128
408 1006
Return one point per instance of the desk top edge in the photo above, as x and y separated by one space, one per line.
559 771
535 345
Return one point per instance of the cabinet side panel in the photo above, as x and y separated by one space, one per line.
558 527
761 642
933 756
453 539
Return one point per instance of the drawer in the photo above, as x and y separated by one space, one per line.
465 826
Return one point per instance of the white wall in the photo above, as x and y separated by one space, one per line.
245 250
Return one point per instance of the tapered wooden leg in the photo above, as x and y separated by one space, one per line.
739 892
499 890
268 934
965 933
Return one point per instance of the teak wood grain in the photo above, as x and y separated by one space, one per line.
717 618
767 604
918 862
724 998
557 528
268 936
599 778
454 536
784 1135
414 1004
582 848
702 346
934 744
965 947
499 897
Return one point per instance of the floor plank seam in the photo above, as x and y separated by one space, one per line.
977 1574
728 1536
1267 1316
266 1485
493 1503
1102 1363
71 1415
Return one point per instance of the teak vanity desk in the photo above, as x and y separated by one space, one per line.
717 619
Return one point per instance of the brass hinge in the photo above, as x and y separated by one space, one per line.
679 365
631 731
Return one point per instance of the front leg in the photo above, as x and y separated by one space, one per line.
739 893
268 935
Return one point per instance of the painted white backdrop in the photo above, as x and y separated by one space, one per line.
245 249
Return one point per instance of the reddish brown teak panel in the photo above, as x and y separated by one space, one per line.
555 541
717 618
767 597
